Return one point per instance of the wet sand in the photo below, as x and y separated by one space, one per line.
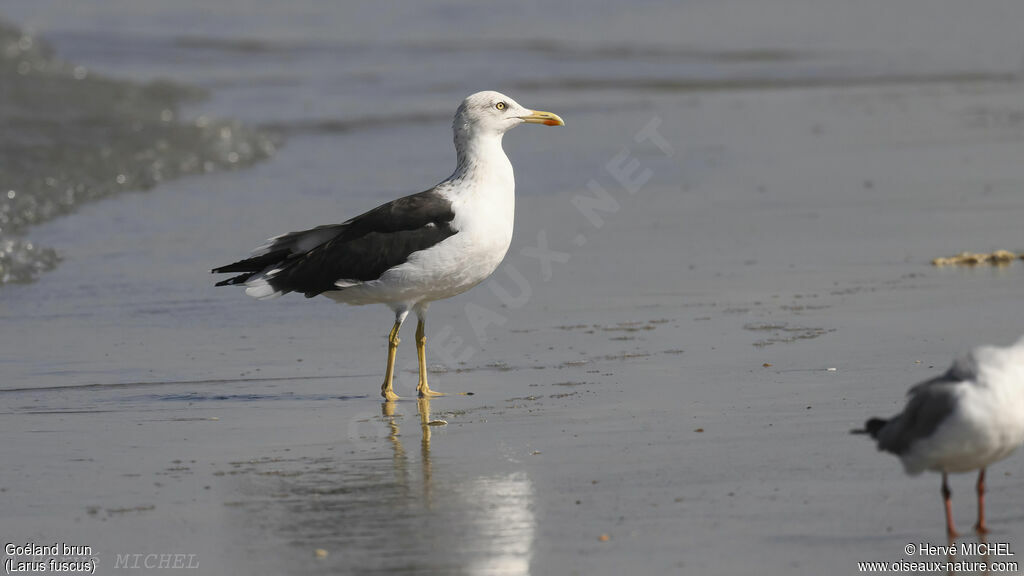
672 394
627 395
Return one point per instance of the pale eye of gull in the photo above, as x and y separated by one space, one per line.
500 105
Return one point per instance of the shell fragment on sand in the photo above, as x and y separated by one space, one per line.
997 258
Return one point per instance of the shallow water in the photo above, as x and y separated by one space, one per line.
116 108
654 394
74 136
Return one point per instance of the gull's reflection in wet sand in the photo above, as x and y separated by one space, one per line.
400 458
983 540
373 505
484 524
960 555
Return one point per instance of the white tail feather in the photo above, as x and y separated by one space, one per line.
260 289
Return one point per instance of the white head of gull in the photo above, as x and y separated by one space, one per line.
966 419
414 250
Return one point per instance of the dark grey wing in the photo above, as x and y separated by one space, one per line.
929 404
360 249
965 369
277 250
404 214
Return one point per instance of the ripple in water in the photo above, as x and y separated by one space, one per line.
72 136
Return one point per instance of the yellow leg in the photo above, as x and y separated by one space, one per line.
386 390
421 351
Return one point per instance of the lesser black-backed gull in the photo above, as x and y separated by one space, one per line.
963 420
414 250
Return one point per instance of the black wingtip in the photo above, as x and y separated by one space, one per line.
235 280
875 425
871 427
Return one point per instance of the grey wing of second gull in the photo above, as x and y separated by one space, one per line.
930 403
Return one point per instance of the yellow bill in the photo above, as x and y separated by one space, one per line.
541 117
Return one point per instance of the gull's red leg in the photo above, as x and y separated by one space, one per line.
947 496
980 526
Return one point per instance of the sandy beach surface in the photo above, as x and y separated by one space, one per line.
661 378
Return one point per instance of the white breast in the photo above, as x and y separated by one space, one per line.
483 200
987 424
